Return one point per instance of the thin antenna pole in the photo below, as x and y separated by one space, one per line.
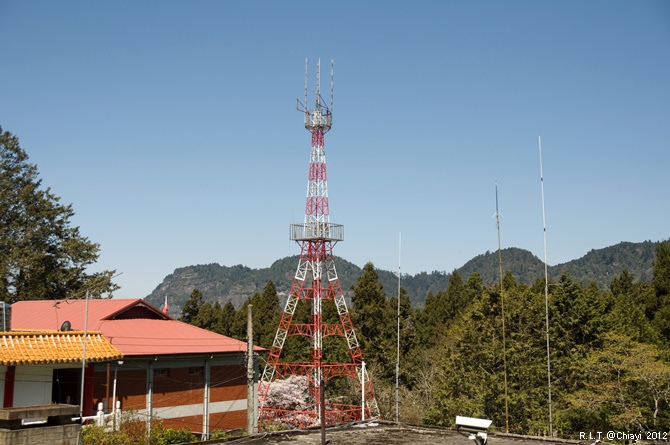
362 390
318 79
83 362
250 371
305 102
502 307
332 83
546 292
397 363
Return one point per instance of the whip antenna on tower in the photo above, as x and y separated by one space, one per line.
318 81
305 102
319 119
332 82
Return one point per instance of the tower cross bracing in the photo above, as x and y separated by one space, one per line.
316 281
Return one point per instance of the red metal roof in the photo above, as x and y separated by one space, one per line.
149 332
148 337
50 314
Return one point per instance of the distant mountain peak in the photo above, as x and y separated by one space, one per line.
239 282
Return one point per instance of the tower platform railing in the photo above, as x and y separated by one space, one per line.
315 231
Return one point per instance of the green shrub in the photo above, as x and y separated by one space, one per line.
135 433
96 435
169 436
222 434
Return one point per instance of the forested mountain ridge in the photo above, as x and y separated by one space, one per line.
237 283
481 349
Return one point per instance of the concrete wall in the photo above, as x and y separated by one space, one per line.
57 426
48 435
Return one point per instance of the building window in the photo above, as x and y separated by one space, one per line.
195 370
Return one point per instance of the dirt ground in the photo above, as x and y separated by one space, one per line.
384 434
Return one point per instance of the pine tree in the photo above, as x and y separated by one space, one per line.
265 314
408 331
209 317
42 257
192 306
228 319
370 317
427 320
661 285
661 279
456 297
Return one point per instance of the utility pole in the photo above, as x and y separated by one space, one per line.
251 403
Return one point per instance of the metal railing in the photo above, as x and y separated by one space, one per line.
111 421
317 231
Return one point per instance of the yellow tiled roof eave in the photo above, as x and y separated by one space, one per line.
49 347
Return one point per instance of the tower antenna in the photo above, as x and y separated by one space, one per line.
332 83
502 310
316 283
305 101
318 81
546 292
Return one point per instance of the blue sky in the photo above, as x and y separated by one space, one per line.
171 128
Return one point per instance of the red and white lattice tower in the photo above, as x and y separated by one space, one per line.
316 281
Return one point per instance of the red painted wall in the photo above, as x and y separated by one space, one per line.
179 386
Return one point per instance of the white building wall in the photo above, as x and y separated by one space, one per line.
33 385
197 409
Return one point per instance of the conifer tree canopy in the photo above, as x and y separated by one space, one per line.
42 257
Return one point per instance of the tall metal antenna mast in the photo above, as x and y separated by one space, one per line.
502 307
315 282
397 363
546 292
